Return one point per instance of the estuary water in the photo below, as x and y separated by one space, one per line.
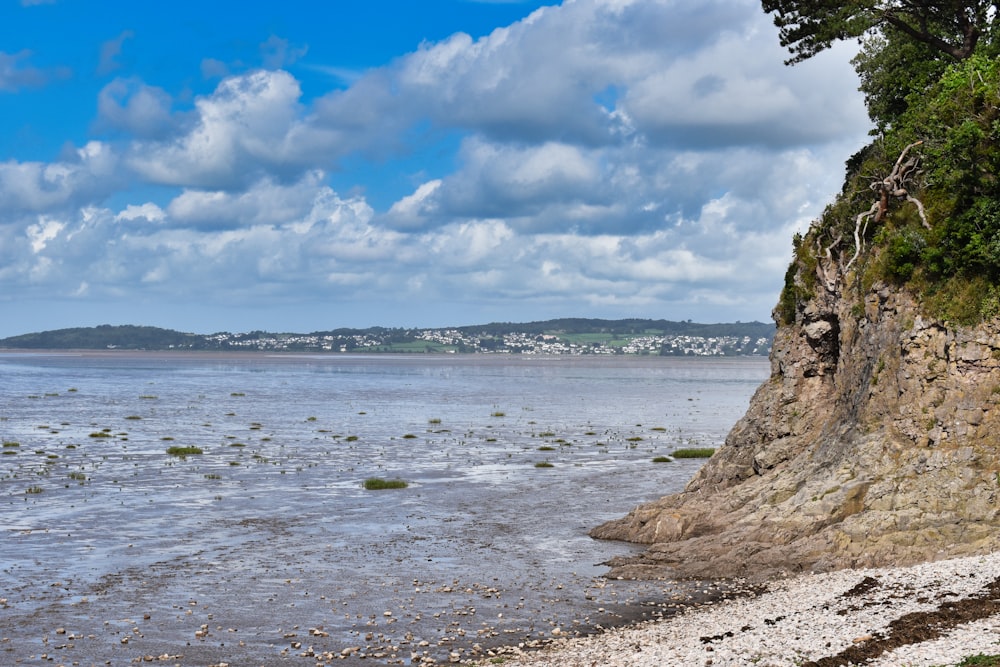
265 548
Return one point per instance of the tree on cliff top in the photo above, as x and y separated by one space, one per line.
930 73
810 26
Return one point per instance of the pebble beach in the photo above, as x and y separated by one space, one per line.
932 614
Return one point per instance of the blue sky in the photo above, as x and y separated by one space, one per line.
302 166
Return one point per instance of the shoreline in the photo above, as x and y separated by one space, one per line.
930 614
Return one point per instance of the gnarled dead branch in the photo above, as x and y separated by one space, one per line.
893 186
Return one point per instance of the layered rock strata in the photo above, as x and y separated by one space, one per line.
876 441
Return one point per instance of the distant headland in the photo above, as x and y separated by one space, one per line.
570 336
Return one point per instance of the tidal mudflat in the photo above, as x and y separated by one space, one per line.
204 509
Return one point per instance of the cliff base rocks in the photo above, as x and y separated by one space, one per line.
876 441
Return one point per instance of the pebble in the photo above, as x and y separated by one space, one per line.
798 619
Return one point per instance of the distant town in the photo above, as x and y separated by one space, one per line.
552 337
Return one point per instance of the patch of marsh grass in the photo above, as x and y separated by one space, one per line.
694 453
379 484
662 459
980 660
183 451
544 464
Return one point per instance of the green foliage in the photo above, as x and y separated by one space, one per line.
810 26
902 252
955 265
892 67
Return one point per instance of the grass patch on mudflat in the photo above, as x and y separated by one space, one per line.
981 660
184 451
662 459
694 453
379 484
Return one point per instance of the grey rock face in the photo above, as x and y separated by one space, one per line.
876 441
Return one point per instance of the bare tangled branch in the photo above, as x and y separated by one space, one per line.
893 186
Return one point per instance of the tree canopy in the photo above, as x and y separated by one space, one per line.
920 207
954 27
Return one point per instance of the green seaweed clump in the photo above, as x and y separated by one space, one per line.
694 453
379 484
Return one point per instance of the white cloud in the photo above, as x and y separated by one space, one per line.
132 107
148 211
244 129
264 203
633 157
42 232
86 174
414 210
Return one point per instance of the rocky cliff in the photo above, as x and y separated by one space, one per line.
876 441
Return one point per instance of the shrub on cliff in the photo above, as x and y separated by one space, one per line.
920 206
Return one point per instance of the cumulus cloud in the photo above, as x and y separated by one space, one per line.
247 127
132 107
87 174
265 203
619 157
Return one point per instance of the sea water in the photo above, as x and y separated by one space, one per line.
265 546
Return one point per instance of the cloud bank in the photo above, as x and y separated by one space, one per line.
602 158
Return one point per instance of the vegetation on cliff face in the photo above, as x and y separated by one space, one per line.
936 109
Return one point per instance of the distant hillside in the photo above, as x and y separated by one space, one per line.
105 336
562 336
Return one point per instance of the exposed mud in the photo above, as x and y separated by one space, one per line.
265 550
